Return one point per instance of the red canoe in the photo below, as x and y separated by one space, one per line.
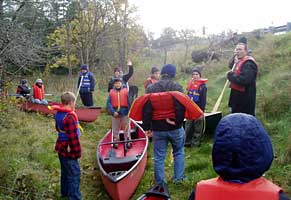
122 168
85 114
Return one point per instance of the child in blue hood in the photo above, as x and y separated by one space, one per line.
242 152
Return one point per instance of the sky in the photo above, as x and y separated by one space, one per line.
216 15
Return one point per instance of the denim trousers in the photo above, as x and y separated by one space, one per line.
160 143
70 178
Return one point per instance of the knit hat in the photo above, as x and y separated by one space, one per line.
243 40
154 69
84 66
117 69
117 80
196 69
169 69
38 80
23 81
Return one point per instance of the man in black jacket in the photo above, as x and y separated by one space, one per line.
167 128
242 79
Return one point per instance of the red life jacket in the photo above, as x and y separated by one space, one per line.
237 71
217 189
119 98
193 89
38 92
149 80
163 106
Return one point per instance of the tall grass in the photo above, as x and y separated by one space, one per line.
30 169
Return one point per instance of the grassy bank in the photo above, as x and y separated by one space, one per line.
29 168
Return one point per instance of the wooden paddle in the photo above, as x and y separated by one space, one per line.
217 104
78 89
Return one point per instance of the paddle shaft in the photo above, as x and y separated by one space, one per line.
217 104
79 89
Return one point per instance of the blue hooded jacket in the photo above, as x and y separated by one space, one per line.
242 150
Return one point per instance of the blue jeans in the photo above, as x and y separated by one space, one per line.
70 178
160 143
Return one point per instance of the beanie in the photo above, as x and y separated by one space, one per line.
169 69
117 80
243 40
23 81
196 69
38 81
84 66
154 69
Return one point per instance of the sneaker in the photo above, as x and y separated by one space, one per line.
115 145
181 180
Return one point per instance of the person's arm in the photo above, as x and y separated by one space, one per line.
71 129
246 77
147 116
109 106
203 94
127 76
179 112
92 82
110 85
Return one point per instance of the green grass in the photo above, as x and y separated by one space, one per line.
30 169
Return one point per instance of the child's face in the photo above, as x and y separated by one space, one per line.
195 76
84 71
117 74
156 75
117 84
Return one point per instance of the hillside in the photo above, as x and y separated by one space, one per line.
29 168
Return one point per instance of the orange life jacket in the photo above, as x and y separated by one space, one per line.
237 71
193 89
163 106
149 80
119 98
217 189
38 92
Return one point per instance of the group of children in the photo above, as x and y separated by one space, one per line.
38 94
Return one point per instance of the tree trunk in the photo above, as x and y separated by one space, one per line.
165 56
68 49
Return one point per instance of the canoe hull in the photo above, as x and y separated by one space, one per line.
125 188
121 169
85 114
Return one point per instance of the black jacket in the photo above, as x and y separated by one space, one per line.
163 85
244 102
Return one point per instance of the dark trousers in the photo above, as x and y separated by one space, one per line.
87 98
70 178
194 131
